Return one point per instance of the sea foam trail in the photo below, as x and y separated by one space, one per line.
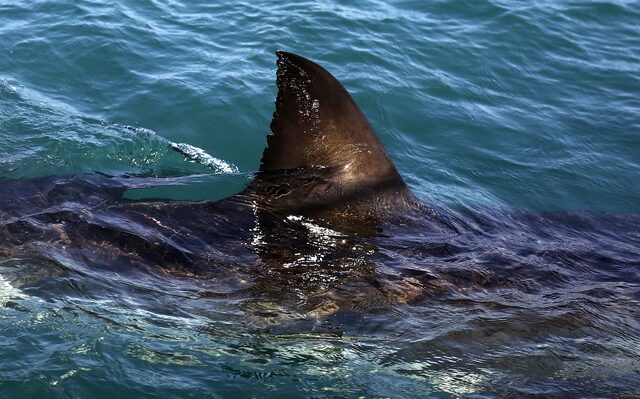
200 156
194 153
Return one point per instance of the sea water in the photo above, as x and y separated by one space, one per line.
484 104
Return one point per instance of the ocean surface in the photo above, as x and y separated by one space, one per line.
520 120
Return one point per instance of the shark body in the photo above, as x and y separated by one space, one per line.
327 223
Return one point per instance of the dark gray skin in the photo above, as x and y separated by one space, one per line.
317 123
326 224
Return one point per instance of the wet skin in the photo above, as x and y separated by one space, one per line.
327 223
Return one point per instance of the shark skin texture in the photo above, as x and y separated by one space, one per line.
326 224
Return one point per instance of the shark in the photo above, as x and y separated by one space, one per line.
326 223
328 240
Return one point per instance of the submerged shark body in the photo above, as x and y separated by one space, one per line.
326 224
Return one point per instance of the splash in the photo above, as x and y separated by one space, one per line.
8 292
195 154
200 156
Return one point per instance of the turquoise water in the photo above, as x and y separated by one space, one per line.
480 104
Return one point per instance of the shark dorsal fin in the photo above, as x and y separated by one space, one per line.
323 158
317 124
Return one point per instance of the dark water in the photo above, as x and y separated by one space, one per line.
516 123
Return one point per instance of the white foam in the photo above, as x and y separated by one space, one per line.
194 153
8 292
200 156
